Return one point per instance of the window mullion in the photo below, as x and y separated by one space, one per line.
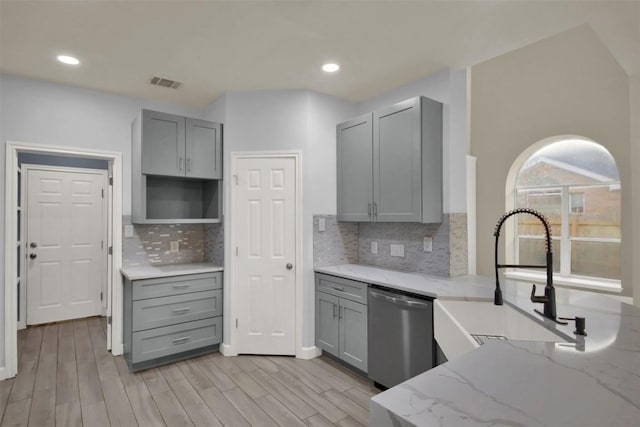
565 242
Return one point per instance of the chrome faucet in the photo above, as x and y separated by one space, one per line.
549 298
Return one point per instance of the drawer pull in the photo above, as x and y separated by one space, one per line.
183 286
338 289
181 310
181 340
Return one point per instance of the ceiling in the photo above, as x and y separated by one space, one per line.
218 46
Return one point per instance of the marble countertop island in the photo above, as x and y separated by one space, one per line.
168 270
589 381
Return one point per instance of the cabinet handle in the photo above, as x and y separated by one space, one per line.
180 162
375 209
183 286
340 312
181 310
181 340
334 311
188 164
369 209
338 289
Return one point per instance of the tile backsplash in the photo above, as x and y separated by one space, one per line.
150 244
214 243
338 244
350 242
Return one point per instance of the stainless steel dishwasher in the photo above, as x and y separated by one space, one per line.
400 337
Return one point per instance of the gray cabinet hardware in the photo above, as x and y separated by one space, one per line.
181 310
181 340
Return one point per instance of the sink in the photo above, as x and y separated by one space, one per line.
463 325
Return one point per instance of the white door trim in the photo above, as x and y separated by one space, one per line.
26 167
229 347
11 201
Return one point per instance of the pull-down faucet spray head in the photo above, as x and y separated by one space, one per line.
548 299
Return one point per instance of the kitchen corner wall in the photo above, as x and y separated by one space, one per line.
350 243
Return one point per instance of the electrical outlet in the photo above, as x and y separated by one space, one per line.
322 224
374 248
397 250
174 246
427 244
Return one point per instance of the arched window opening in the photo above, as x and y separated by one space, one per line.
575 183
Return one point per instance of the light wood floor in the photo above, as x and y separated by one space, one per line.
67 378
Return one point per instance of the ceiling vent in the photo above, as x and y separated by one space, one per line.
171 84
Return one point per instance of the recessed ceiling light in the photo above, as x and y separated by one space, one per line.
69 60
330 67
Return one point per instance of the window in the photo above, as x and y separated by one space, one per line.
576 185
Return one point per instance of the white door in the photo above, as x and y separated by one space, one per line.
66 244
265 224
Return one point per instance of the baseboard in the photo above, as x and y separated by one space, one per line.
3 372
227 350
306 353
117 349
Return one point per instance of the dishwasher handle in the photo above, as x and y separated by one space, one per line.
399 301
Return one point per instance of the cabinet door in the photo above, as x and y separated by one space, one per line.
397 163
327 329
355 169
204 149
353 333
163 144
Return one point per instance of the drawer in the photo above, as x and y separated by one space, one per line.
176 285
343 288
165 311
160 342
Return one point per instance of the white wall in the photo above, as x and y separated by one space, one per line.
45 113
286 120
634 116
450 88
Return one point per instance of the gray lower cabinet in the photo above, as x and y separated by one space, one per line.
171 318
390 164
341 319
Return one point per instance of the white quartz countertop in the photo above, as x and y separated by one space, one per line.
591 381
155 271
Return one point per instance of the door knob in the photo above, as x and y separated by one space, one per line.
289 266
33 244
33 256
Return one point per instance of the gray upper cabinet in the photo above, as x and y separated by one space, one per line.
401 153
355 169
203 149
176 169
180 146
163 144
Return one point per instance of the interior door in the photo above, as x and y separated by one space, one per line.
66 244
265 220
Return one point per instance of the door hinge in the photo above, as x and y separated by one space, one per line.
110 180
101 244
236 323
101 295
108 320
110 250
235 176
236 251
102 193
